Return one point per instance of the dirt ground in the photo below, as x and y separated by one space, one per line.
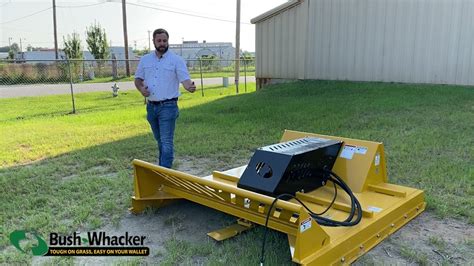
426 240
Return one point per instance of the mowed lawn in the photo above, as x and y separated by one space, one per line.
66 172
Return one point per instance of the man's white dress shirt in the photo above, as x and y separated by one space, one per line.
162 75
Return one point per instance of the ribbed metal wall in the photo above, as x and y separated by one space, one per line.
281 42
414 41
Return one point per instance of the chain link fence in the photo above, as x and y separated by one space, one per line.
16 72
34 77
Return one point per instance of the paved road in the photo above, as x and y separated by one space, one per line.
51 89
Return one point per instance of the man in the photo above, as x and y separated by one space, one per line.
157 77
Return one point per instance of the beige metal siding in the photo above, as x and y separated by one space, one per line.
280 43
414 41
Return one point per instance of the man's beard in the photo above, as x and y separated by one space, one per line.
161 49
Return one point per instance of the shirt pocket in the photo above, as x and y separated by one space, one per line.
149 72
169 72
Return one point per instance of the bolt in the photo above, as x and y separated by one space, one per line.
343 259
392 225
361 246
378 235
406 216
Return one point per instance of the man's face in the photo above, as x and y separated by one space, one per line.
161 42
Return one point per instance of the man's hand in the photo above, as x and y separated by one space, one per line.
189 85
140 85
144 91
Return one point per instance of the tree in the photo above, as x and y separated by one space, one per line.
4 49
97 41
72 46
11 54
14 49
210 62
142 52
73 50
246 55
248 59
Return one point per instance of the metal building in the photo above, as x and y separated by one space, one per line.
411 41
193 50
48 55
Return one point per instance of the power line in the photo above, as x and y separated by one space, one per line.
183 13
48 9
27 16
4 4
161 5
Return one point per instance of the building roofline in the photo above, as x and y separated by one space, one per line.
275 11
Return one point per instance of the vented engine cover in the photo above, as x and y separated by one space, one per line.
290 166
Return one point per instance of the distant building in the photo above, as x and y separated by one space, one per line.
49 54
119 53
193 50
3 55
39 55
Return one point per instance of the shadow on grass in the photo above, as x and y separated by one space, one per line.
79 111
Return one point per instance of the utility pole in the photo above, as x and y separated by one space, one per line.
149 40
124 13
55 30
10 42
237 48
21 48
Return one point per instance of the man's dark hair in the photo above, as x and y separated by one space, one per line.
160 31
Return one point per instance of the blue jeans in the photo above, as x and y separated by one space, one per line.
162 118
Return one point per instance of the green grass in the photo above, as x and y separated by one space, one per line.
108 79
412 255
62 172
242 250
194 75
437 242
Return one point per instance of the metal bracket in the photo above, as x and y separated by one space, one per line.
231 230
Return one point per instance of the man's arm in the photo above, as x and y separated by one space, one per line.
140 85
189 85
183 75
139 78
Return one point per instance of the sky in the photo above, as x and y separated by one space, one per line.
188 20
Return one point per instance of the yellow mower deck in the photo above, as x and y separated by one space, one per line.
386 207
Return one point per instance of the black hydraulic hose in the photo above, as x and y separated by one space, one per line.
355 206
262 258
337 180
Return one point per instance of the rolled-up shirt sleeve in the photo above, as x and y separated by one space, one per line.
140 73
182 70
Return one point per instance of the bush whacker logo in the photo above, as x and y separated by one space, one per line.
38 250
94 244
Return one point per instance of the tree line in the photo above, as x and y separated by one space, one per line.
96 40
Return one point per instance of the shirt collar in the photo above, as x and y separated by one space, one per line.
163 56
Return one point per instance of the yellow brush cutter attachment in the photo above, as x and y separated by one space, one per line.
361 164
